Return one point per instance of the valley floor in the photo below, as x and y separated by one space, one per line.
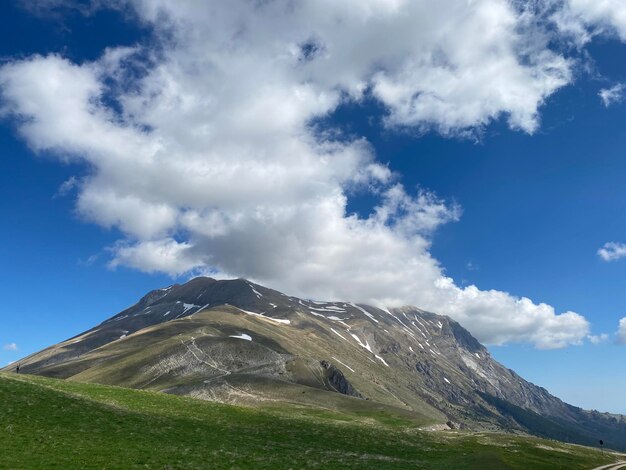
47 423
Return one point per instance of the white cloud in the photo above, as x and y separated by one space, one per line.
612 95
91 259
598 339
67 186
612 251
165 255
586 18
621 331
10 347
213 162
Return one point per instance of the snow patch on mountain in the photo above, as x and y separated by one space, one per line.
343 364
381 359
256 292
242 336
338 334
365 345
277 320
365 312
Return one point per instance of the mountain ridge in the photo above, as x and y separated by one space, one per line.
240 342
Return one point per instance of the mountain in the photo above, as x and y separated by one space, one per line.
238 342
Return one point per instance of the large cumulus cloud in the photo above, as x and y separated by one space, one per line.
203 151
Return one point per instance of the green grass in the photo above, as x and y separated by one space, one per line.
48 423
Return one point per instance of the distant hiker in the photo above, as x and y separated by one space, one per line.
17 369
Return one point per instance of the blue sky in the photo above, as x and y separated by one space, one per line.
513 207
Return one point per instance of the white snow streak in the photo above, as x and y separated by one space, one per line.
334 318
338 334
242 336
365 312
256 292
365 345
343 364
189 307
277 320
381 359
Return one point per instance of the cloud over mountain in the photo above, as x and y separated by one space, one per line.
203 153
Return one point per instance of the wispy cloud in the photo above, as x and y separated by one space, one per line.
612 251
471 266
10 347
67 186
89 261
612 95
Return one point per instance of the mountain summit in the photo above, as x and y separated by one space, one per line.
239 342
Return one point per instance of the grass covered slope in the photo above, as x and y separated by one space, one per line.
197 356
60 424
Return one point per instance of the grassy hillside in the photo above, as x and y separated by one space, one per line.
60 424
190 356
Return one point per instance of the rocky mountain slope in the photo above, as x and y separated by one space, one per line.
239 342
